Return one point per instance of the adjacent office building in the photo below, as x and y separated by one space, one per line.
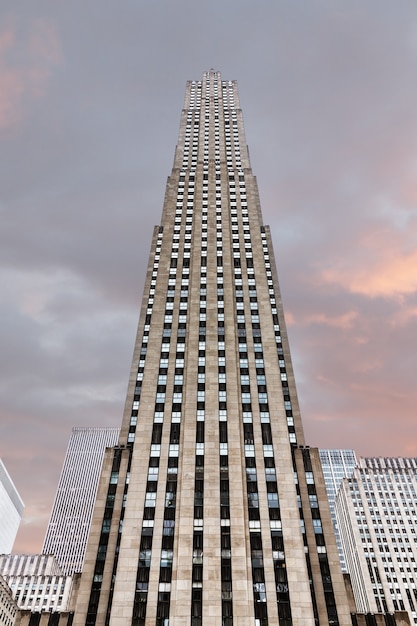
69 524
211 509
11 511
36 582
376 511
336 465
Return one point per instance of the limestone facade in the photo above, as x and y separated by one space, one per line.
211 510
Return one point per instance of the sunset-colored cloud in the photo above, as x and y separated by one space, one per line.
25 67
289 319
343 322
404 316
385 265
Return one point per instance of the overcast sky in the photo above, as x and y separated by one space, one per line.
90 101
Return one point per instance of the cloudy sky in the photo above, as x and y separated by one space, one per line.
90 101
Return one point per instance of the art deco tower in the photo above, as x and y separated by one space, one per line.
211 511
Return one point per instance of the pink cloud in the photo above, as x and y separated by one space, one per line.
44 41
392 276
289 319
384 265
343 322
26 61
32 530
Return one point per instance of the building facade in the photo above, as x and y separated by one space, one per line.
8 607
11 511
211 510
36 582
377 516
336 465
69 524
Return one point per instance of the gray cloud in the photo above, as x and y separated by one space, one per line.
89 113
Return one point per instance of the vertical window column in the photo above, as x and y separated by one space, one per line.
258 573
144 347
104 540
226 555
197 567
280 353
168 532
321 546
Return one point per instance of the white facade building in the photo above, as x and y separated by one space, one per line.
336 465
376 511
8 607
11 510
36 582
69 524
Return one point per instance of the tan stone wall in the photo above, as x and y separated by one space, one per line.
240 526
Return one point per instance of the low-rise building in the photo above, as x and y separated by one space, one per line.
376 511
8 606
36 582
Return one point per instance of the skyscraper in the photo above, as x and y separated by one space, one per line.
11 511
336 465
69 524
211 510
